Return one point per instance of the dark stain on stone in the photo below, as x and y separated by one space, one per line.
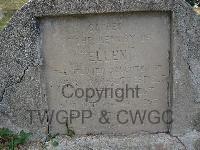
196 122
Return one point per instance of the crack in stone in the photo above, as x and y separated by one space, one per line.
190 69
167 133
179 141
17 82
172 136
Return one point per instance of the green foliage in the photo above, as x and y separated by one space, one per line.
10 140
5 132
55 143
193 2
70 132
9 7
50 137
5 19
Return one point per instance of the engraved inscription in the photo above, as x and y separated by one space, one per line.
107 74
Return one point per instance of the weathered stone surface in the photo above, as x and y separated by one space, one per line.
197 144
190 140
21 59
103 52
136 142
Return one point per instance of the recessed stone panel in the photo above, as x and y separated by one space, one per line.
107 74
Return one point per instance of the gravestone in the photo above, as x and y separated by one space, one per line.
109 68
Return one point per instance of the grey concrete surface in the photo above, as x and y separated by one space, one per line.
21 63
107 52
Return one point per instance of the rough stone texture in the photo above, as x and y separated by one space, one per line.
20 64
190 140
136 142
197 144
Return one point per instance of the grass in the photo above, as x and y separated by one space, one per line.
5 19
9 7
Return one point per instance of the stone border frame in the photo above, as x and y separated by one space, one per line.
21 61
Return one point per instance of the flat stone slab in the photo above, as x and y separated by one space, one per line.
103 71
